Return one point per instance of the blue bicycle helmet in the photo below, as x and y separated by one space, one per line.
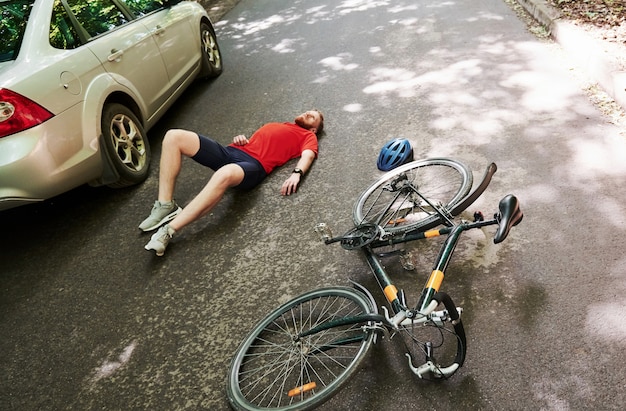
394 153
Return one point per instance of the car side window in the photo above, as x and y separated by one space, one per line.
143 7
97 16
63 34
13 18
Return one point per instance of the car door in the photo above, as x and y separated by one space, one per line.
125 48
172 30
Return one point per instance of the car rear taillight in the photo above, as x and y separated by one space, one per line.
18 113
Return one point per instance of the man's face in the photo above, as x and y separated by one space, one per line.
309 120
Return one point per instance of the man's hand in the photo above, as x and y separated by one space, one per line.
240 140
290 186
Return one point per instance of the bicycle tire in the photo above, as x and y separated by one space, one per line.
274 370
392 203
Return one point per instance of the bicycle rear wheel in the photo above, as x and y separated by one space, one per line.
406 198
276 369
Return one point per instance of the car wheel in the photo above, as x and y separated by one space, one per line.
211 55
126 144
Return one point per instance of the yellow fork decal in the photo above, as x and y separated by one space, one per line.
435 280
391 293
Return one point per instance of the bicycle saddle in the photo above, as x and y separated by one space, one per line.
510 215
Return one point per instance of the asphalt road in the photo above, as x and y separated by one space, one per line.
218 8
91 321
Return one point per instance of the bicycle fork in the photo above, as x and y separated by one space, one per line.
428 300
425 312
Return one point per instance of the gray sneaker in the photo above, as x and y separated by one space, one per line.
161 214
160 240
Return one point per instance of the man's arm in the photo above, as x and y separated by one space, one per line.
290 185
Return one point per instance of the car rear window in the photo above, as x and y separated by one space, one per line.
13 18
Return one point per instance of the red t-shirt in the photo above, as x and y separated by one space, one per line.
276 143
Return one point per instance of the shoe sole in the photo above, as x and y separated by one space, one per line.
157 253
164 220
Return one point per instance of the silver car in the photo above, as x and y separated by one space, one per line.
81 82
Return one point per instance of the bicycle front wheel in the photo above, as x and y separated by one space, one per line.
275 368
408 197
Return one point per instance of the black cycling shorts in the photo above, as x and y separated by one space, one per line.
214 155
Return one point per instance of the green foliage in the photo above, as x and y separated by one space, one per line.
13 18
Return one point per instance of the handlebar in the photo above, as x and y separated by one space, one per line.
509 216
478 191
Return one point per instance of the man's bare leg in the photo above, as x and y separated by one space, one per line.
228 176
176 143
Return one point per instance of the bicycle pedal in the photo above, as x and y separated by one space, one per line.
323 231
406 262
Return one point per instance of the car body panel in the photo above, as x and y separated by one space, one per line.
171 30
35 159
126 53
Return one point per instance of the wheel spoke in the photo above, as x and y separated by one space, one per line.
397 201
210 47
128 143
278 368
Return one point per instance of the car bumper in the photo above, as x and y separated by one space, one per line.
45 161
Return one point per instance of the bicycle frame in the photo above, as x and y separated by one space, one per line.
425 305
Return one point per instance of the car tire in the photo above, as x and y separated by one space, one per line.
126 145
211 55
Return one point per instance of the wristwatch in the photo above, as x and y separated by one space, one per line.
298 171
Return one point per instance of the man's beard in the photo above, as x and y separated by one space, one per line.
300 121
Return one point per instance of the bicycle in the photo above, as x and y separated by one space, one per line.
301 353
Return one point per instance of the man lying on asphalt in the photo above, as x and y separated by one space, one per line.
242 164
